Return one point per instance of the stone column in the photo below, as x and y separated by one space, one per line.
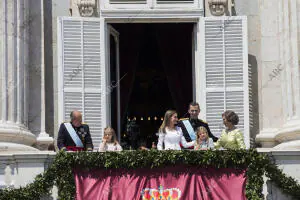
14 133
284 129
289 134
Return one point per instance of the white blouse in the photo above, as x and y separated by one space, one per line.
172 140
110 147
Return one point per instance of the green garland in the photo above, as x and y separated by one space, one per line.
60 171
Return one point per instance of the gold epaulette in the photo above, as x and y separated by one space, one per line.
203 121
181 119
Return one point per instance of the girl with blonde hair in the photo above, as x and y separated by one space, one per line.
203 142
170 135
109 141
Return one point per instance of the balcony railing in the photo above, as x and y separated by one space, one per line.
20 169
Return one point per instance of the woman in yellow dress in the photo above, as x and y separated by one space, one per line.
231 137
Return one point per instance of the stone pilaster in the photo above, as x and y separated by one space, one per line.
270 69
14 133
43 139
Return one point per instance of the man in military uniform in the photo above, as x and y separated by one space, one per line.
189 125
74 135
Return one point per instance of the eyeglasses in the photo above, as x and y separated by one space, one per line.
195 110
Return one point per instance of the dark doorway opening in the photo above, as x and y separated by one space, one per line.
156 66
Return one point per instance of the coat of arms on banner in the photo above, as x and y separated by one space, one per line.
161 194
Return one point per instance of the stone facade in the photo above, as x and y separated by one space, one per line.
29 77
29 98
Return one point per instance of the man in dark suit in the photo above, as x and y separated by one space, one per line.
189 125
74 135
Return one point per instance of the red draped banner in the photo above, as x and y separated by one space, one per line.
169 183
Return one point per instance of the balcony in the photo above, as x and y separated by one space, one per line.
19 168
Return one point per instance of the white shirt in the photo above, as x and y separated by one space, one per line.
172 140
110 147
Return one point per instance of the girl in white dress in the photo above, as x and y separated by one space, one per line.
170 135
109 141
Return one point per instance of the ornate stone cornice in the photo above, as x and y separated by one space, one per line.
87 8
218 7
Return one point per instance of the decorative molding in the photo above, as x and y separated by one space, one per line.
266 137
15 133
87 8
289 132
270 137
10 147
155 15
291 145
218 7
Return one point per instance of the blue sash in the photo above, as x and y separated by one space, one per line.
73 135
189 128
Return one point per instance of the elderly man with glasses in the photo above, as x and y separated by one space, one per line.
74 135
190 125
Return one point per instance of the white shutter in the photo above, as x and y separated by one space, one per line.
224 71
79 71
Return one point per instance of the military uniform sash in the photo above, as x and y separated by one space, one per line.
188 126
73 135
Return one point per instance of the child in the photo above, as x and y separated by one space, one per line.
109 141
203 142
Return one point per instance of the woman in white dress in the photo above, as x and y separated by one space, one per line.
170 135
109 141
